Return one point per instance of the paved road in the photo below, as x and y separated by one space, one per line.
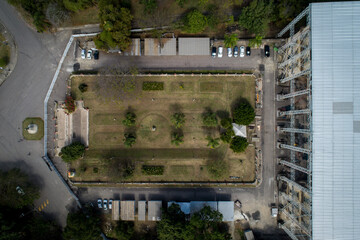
22 96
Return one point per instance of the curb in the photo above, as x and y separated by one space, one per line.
13 53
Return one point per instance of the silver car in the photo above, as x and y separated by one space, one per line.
99 202
229 50
105 204
220 52
110 203
242 51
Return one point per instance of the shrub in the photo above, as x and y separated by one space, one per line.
212 142
95 170
77 5
4 61
69 104
226 123
209 119
177 138
129 139
178 119
149 6
153 86
152 170
130 119
195 22
226 136
72 152
83 87
243 113
238 144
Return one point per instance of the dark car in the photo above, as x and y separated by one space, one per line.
248 51
267 51
96 55
213 52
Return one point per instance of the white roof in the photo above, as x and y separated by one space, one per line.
194 46
335 43
239 130
226 208
154 210
141 210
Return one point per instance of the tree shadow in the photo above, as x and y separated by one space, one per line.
238 102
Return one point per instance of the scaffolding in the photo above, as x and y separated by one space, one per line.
294 67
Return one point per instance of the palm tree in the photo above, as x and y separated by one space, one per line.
230 40
213 142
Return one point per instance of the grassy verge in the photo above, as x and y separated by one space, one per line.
4 52
37 136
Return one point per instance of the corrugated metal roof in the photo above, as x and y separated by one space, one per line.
196 206
226 208
184 206
194 46
127 210
335 42
141 210
167 47
154 210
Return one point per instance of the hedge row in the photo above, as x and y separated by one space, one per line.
153 86
152 170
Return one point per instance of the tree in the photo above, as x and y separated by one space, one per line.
10 197
206 224
129 139
230 40
149 6
195 22
56 14
213 142
255 42
239 144
243 113
72 152
226 123
172 224
130 119
177 138
209 119
83 87
81 226
124 230
178 120
115 20
69 104
226 136
256 17
181 2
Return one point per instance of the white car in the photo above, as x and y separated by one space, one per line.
99 202
88 56
110 203
105 204
229 50
220 52
242 51
83 53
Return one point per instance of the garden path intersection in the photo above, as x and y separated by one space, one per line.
23 93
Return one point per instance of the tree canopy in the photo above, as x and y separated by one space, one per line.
172 224
129 139
239 144
178 120
116 25
10 196
230 40
243 113
124 230
72 152
195 22
177 138
81 226
209 119
129 120
256 17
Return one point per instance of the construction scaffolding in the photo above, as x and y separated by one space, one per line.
294 135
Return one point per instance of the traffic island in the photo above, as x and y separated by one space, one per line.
33 128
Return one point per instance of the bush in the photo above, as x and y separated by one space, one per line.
238 144
243 113
76 5
129 120
195 22
69 104
152 170
149 6
177 138
212 142
226 123
4 61
72 152
95 170
83 87
178 119
129 139
209 119
153 86
226 136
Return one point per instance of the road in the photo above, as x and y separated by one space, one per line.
22 96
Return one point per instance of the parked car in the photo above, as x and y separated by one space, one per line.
248 51
220 52
242 51
99 203
105 204
110 203
267 51
213 52
88 56
96 54
83 53
236 51
229 51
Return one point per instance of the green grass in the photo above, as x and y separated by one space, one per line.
108 119
37 136
153 86
4 52
215 87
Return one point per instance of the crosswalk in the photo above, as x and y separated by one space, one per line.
43 205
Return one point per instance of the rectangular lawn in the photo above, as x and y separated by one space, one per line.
110 98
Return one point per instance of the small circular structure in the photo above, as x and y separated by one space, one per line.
32 128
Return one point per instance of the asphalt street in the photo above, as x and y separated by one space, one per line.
22 96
